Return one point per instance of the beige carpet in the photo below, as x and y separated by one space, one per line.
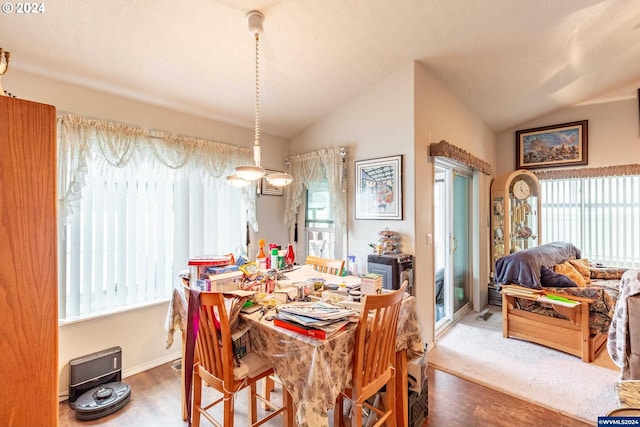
474 349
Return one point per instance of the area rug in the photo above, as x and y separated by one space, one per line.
474 349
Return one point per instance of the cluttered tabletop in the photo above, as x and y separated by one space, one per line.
301 320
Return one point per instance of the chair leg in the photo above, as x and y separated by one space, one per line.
197 400
356 414
253 403
390 402
267 387
229 410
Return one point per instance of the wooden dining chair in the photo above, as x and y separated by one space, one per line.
374 358
326 265
215 365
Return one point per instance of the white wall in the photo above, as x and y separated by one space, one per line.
614 131
396 116
141 332
439 115
376 123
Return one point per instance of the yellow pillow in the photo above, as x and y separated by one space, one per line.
582 265
568 270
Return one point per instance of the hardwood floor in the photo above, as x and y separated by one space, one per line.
453 402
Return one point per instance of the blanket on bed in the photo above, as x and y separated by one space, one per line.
523 267
619 328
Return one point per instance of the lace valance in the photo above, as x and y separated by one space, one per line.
617 170
115 145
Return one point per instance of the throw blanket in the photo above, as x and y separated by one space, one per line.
619 328
523 267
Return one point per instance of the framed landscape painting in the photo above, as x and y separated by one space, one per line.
552 146
379 188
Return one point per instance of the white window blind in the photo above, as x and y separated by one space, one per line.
135 231
598 215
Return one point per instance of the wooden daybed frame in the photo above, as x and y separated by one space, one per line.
571 336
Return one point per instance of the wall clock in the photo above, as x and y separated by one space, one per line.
521 190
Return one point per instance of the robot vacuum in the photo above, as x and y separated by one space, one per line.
102 400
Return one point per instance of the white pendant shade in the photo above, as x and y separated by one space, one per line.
279 179
250 173
236 181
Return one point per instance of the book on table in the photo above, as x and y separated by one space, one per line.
320 332
318 319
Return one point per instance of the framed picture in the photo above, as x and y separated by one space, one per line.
551 146
268 189
379 188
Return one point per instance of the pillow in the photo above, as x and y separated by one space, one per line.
582 265
551 279
607 273
568 270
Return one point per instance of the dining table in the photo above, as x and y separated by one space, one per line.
314 371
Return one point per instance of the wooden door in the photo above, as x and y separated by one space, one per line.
28 264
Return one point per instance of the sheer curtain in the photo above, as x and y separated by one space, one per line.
134 205
312 168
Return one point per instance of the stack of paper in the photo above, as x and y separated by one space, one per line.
318 311
318 320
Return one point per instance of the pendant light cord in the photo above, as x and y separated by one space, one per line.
257 107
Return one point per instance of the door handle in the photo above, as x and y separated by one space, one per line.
454 244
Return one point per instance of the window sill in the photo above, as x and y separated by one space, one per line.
90 318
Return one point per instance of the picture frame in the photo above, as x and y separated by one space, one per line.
558 145
379 188
268 189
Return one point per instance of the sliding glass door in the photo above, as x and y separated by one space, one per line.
460 241
452 204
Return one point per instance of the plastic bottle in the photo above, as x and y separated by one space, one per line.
290 256
274 257
352 266
261 258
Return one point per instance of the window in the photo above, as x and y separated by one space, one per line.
319 221
321 176
598 215
135 231
135 205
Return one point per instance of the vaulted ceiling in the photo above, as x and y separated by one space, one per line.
507 60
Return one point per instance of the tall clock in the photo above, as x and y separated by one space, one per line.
515 213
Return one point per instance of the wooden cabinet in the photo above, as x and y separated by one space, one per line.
515 218
28 264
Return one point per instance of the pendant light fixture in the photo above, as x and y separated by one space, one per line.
245 174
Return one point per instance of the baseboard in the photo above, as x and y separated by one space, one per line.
139 368
151 364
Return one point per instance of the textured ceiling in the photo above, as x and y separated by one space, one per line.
507 60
